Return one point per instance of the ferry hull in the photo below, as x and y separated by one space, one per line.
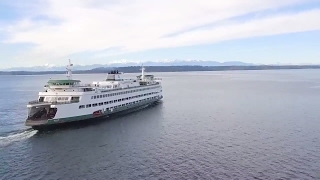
51 123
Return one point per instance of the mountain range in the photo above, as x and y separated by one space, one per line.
111 65
137 69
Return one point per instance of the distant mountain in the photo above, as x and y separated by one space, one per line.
129 63
137 69
55 68
193 63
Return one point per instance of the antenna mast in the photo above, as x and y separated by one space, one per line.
142 72
69 73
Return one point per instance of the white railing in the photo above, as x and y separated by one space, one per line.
122 88
113 89
53 102
85 85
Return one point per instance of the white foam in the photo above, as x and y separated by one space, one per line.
7 140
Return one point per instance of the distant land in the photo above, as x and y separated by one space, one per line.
124 63
136 69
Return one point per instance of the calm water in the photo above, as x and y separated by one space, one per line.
210 125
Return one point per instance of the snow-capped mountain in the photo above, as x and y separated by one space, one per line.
125 63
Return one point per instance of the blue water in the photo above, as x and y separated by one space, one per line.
210 125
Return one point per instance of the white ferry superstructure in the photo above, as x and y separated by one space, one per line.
66 100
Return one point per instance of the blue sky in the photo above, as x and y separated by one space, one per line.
264 32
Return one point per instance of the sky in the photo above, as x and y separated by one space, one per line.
39 32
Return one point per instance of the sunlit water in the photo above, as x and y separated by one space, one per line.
210 125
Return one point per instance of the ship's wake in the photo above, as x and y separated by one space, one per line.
17 136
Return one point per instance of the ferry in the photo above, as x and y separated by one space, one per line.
67 100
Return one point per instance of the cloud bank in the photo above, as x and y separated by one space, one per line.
56 29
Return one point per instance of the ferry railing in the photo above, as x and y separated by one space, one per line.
125 88
97 86
53 102
94 87
85 85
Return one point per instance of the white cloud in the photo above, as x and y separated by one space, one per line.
137 25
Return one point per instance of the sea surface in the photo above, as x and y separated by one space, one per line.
210 125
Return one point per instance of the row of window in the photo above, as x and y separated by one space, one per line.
114 101
120 93
56 98
130 103
64 84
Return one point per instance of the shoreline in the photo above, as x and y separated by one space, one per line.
136 69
